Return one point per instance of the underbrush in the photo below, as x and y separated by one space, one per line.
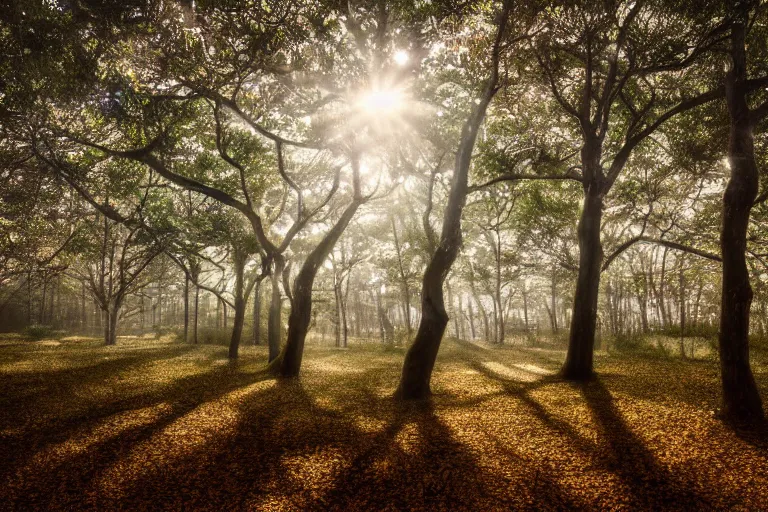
41 332
212 336
639 344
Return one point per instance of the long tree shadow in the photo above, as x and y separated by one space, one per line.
620 451
71 473
312 458
651 485
250 460
25 390
427 469
754 433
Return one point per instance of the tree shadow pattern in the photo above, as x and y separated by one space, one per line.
337 442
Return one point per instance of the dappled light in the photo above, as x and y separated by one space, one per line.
330 443
363 255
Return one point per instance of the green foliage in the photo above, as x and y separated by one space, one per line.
637 343
38 332
213 336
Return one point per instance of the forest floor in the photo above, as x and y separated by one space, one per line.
159 425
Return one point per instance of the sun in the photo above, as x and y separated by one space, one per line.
381 101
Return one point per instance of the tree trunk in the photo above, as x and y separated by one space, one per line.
525 310
358 314
344 326
403 279
274 322
495 333
337 297
741 399
483 314
110 325
257 313
420 358
553 298
240 260
301 311
186 309
665 320
196 318
697 304
681 285
386 330
218 313
41 316
83 317
471 318
642 300
579 360
499 306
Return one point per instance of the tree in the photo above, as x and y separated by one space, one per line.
420 358
114 268
619 63
741 399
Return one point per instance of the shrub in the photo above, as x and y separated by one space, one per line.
213 336
40 332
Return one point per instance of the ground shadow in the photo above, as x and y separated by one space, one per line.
651 485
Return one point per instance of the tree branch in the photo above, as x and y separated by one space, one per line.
666 243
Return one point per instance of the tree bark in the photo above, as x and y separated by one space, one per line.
741 399
525 310
301 311
681 285
337 297
275 312
240 260
83 317
420 358
665 320
257 313
110 325
579 360
186 309
553 299
344 326
197 315
386 330
403 279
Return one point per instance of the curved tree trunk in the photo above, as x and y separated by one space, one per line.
301 310
237 327
579 360
741 399
420 358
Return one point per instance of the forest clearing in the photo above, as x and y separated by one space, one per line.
383 254
94 427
